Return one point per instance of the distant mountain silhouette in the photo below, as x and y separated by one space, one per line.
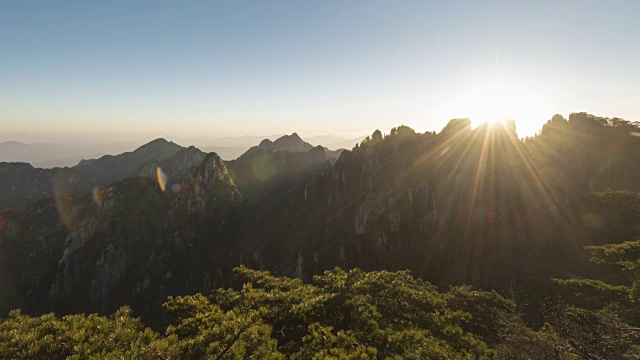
335 142
115 167
278 164
25 184
291 143
225 152
51 155
12 151
231 148
64 162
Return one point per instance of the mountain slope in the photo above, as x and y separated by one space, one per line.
116 167
464 206
259 172
172 170
274 166
291 143
473 206
125 244
50 155
24 184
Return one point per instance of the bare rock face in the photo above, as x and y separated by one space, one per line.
8 232
208 188
121 249
173 169
22 184
121 244
107 243
392 206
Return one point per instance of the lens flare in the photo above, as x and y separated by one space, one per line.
177 187
162 178
98 195
592 221
263 167
64 202
1 221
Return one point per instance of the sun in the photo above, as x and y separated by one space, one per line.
498 100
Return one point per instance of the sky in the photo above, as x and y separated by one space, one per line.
343 68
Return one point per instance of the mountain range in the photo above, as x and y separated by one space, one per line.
462 206
25 184
42 152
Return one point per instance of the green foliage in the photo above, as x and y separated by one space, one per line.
593 293
626 255
596 293
80 337
322 343
603 322
521 342
205 331
340 315
369 315
599 334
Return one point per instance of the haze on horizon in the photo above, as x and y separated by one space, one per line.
128 71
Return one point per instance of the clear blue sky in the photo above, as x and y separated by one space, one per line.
315 67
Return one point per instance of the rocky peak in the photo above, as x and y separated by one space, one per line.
292 143
187 158
111 168
456 126
208 186
266 143
162 147
85 162
319 152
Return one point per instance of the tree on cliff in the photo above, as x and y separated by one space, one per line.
603 319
